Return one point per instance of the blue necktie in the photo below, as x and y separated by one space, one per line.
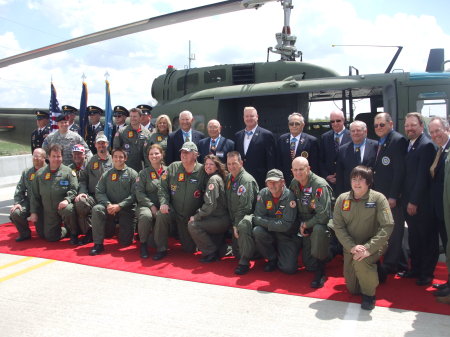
249 133
186 136
292 147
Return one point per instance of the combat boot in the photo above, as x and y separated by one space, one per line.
368 302
319 275
97 249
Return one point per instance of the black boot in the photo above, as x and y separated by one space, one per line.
368 302
74 239
97 249
319 275
144 250
87 238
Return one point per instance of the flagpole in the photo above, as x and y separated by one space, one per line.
108 109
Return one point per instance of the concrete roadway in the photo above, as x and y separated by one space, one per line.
40 297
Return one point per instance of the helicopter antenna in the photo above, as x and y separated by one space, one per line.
191 55
285 41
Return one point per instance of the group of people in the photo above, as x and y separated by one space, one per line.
343 193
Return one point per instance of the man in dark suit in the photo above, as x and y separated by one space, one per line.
42 131
176 139
329 146
215 144
94 127
294 144
256 146
422 234
439 132
360 151
146 117
388 176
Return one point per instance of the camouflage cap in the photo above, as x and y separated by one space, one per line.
189 147
274 175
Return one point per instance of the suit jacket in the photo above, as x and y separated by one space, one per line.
346 163
417 177
260 157
389 169
224 146
437 185
38 138
328 153
175 141
91 135
308 147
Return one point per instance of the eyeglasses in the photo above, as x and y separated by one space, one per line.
381 125
295 123
335 121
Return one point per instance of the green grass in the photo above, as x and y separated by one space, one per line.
13 149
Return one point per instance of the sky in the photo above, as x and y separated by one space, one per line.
134 61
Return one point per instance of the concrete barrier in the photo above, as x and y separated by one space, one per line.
11 168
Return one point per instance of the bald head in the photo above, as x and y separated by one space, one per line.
301 169
39 158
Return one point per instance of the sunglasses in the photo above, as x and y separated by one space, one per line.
295 123
335 121
381 125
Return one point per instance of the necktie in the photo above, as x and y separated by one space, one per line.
213 144
379 150
358 154
435 162
410 145
249 133
186 136
292 147
336 142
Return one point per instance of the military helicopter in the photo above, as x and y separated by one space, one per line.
276 89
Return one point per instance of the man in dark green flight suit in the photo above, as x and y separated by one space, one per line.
115 196
180 195
314 211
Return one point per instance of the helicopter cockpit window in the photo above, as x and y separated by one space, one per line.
215 76
433 104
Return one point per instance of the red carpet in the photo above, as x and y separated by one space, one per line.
396 293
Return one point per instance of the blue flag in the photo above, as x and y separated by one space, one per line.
54 109
84 121
108 114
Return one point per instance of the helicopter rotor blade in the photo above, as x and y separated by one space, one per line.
135 27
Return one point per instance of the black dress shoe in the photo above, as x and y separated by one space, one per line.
74 240
23 238
86 239
408 274
318 282
159 255
242 269
97 249
144 250
209 258
441 286
368 302
270 266
442 292
424 281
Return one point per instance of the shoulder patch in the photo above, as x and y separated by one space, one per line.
346 204
269 204
137 179
211 187
293 204
319 193
258 197
241 190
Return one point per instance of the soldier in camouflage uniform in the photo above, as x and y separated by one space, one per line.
67 139
42 131
116 200
241 190
147 185
95 126
209 224
71 112
89 177
314 212
133 139
363 222
275 227
53 190
20 211
78 163
180 195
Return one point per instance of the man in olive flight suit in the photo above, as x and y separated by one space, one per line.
53 190
20 211
275 230
78 163
133 138
89 177
241 190
314 211
115 196
180 195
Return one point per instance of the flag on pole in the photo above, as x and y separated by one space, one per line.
108 113
84 120
54 109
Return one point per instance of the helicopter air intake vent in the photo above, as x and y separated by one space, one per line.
243 74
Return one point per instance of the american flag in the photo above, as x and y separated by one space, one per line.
54 109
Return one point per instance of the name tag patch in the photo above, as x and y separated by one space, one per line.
370 204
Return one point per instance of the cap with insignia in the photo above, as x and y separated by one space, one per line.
101 137
92 109
274 175
146 109
68 109
120 111
189 147
61 117
40 114
78 148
